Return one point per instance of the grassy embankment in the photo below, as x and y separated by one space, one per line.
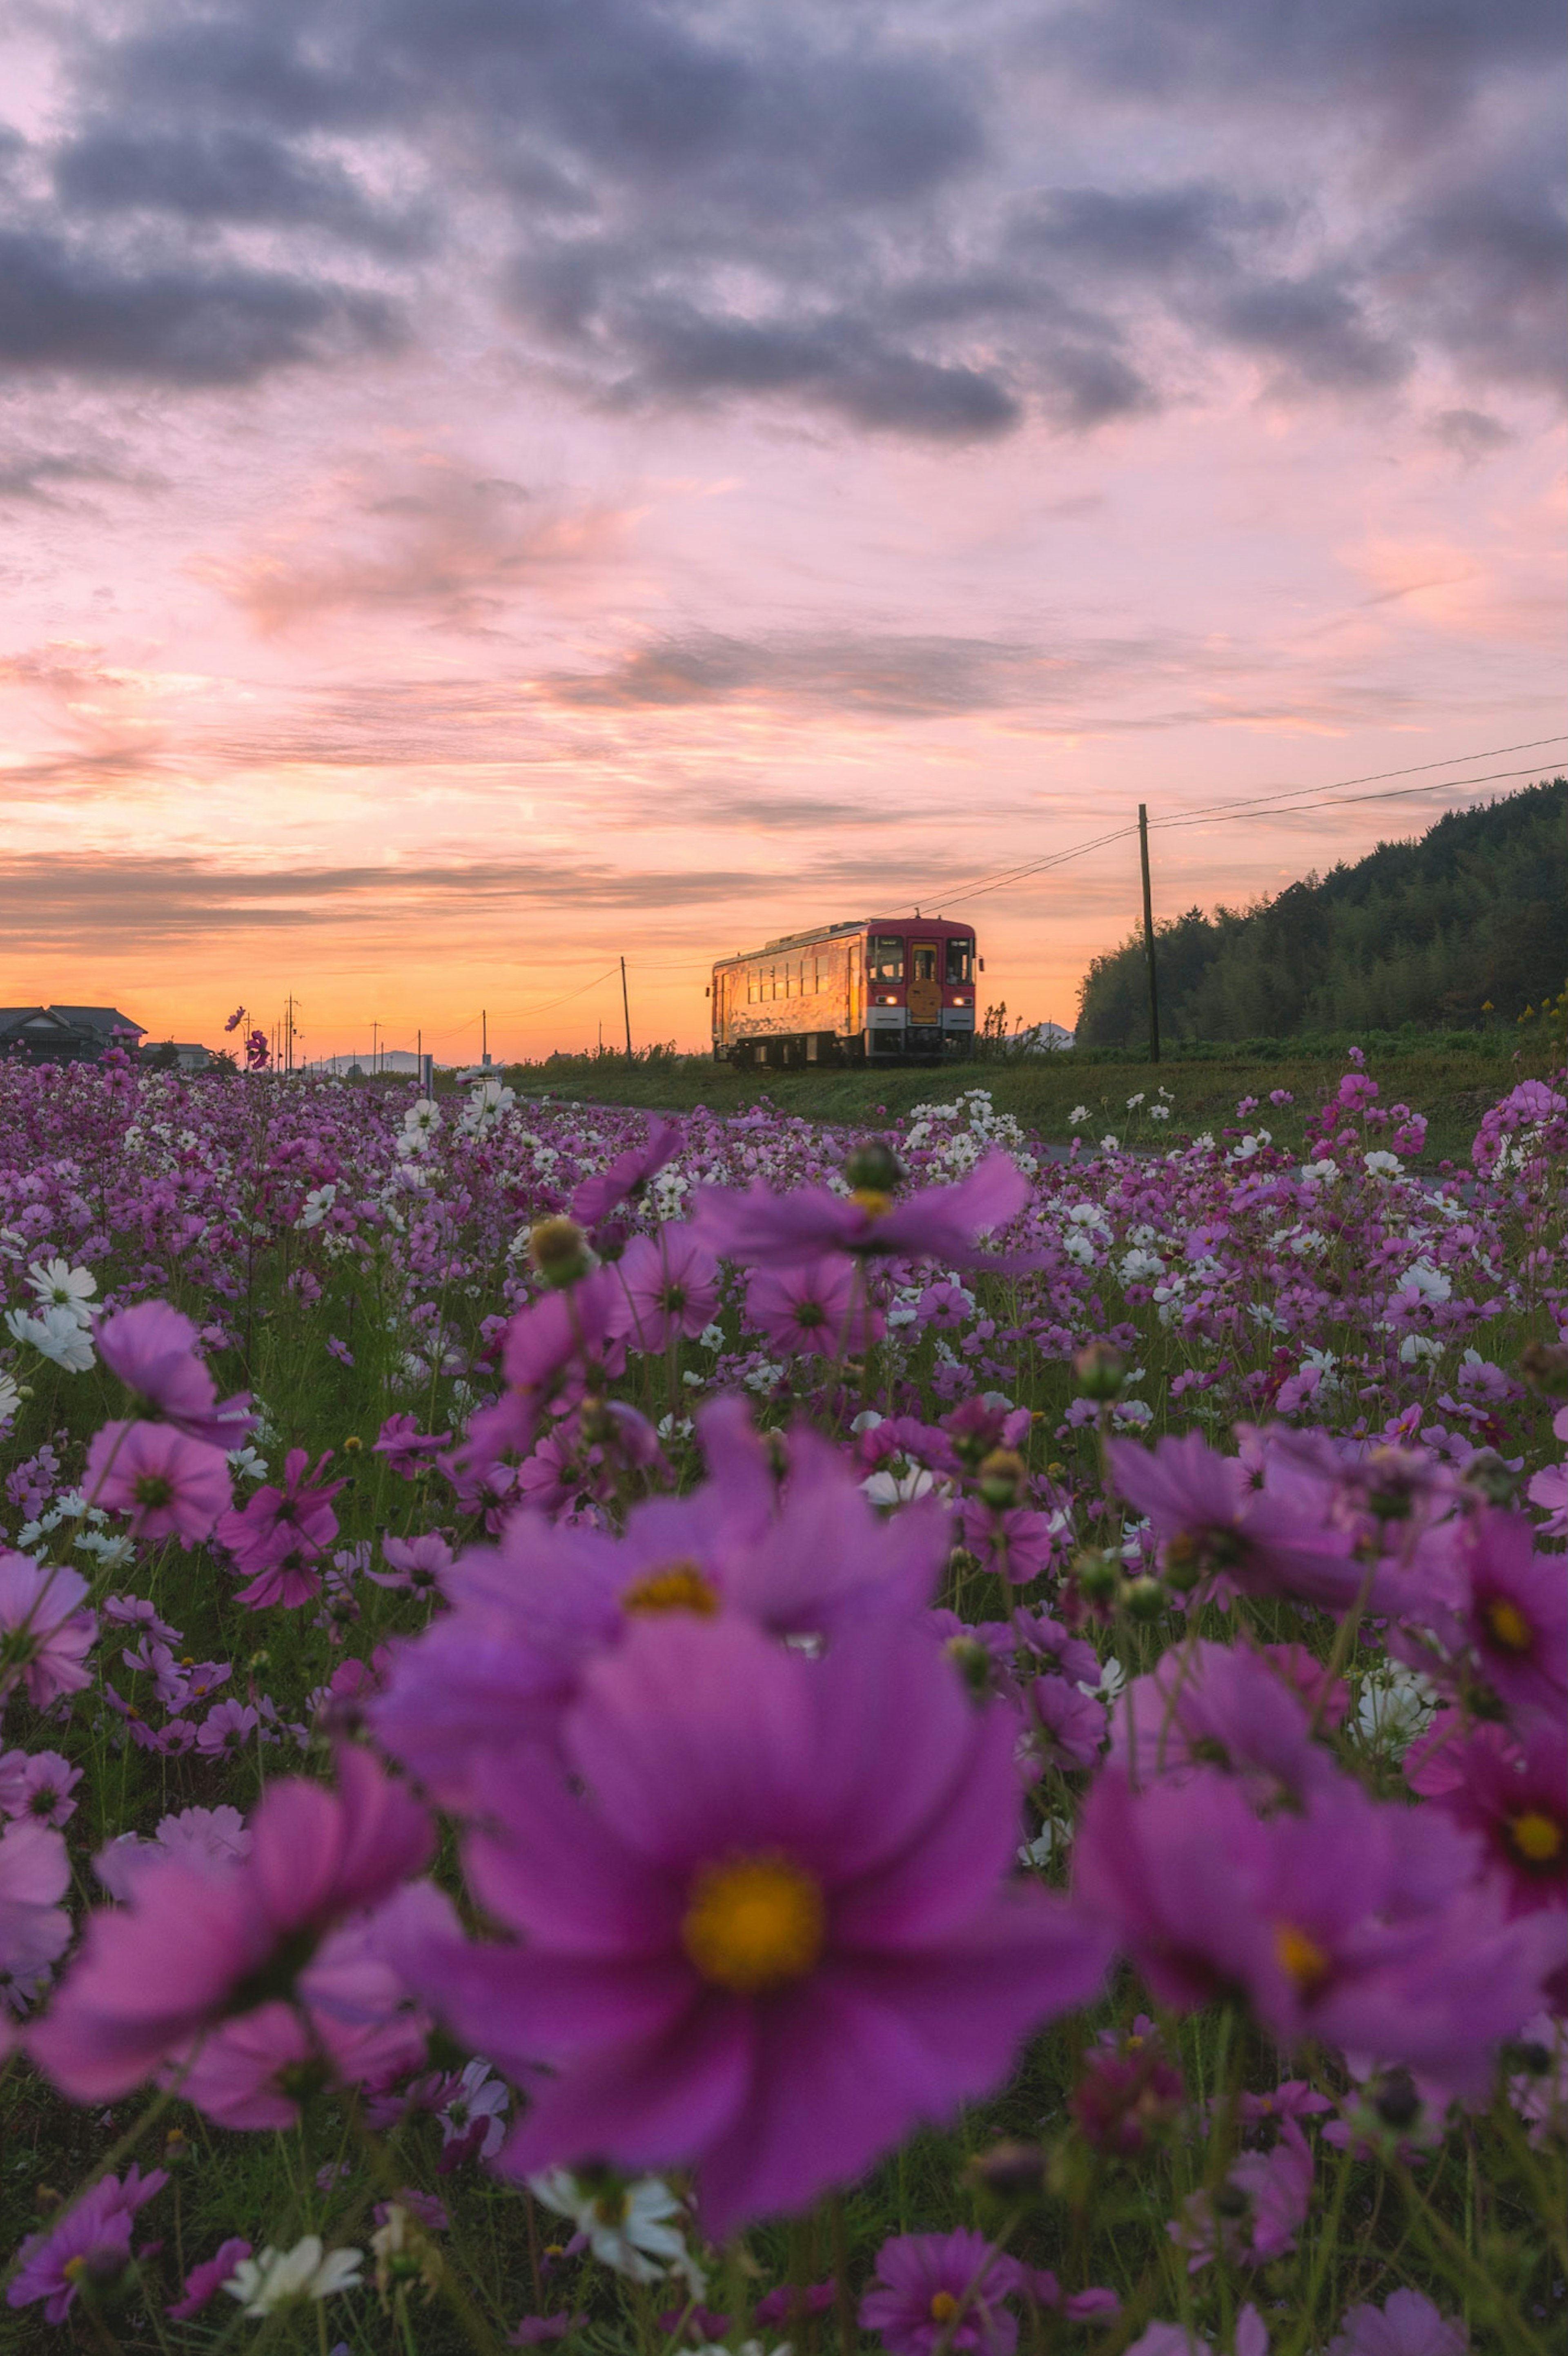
1451 1082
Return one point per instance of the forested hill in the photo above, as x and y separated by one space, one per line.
1423 932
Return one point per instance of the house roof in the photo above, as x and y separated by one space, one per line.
99 1018
19 1018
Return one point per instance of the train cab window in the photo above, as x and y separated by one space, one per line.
923 961
960 962
886 951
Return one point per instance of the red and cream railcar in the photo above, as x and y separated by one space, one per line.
890 986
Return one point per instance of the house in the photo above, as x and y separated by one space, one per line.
64 1035
106 1024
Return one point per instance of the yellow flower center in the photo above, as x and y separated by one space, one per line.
1509 1626
679 1587
753 1923
74 2268
1536 1836
875 1201
1302 1958
943 2306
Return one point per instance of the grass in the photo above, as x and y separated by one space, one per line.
1451 1082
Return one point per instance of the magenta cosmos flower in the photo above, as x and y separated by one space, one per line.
278 1538
204 2282
1517 1612
813 1308
152 1348
1222 1706
669 1285
1512 1792
773 1934
627 1176
1212 1521
50 2264
171 1485
45 1635
192 1946
943 2286
1408 2325
762 1229
1359 1924
35 1874
533 1612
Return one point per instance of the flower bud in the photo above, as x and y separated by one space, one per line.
874 1166
1144 1598
1002 1477
1486 1474
1098 1576
1544 1365
353 1444
1011 2170
1101 1370
559 1250
973 1663
1398 2104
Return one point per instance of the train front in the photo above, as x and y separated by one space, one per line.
920 989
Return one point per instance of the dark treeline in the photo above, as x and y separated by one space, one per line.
1425 932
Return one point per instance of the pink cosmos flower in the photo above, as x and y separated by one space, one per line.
405 1447
351 2022
101 2224
204 2282
192 1947
772 1936
152 1348
1218 1705
530 1615
1406 2325
34 1876
627 1176
417 1562
1517 1612
816 1308
946 2288
1175 2340
45 1635
1514 1792
669 1287
1360 1924
278 1538
228 1727
1275 2188
1062 1726
762 1229
566 1343
37 1784
171 1485
207 1840
1211 1521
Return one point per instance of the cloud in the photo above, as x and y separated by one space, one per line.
430 538
225 173
64 308
36 477
883 676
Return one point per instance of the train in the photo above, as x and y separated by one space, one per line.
886 988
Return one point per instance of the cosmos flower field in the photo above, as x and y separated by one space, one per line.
641 1735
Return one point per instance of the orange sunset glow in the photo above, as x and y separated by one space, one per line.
480 505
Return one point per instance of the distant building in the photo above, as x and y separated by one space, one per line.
65 1035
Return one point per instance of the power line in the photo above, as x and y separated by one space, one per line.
998 877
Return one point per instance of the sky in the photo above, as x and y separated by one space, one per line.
493 487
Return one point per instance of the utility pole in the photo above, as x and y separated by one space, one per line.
627 1010
375 1065
1148 938
483 1038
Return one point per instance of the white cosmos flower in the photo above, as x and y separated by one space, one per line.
1418 1345
317 1204
628 2227
1382 1165
10 1398
56 1335
57 1285
1078 1113
290 2277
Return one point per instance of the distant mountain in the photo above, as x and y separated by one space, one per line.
1425 932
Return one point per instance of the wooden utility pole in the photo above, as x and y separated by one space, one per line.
1148 938
627 1010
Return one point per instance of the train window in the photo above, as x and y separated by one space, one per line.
960 962
923 961
751 990
887 956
